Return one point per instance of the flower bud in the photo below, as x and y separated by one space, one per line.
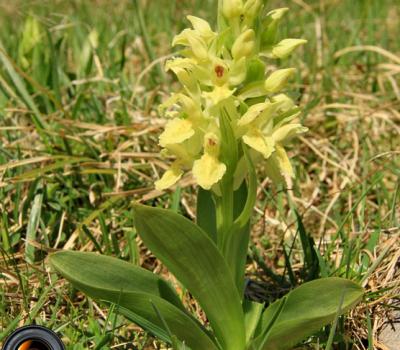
232 8
270 26
278 79
285 47
285 103
244 45
251 8
277 14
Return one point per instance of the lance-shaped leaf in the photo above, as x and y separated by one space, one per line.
136 291
189 253
252 314
206 213
307 309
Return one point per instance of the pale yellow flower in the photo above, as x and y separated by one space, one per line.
176 131
263 134
218 94
208 170
278 164
259 112
259 142
170 177
251 128
202 27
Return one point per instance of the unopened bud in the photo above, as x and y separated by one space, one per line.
285 47
278 79
252 8
232 8
244 44
270 25
277 14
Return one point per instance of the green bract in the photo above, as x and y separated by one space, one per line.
227 114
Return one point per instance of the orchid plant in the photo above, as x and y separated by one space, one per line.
230 114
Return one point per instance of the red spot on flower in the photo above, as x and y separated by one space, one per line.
219 70
211 142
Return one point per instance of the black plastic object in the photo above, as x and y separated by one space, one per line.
33 338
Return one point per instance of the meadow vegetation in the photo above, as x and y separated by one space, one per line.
80 83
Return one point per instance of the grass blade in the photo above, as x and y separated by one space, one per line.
33 224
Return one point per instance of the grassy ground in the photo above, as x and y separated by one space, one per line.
79 87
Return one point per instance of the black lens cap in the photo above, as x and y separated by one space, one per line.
33 338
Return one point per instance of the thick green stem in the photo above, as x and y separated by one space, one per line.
233 226
224 206
235 23
219 15
232 234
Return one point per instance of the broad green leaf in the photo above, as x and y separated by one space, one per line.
307 309
136 291
108 273
236 254
194 259
206 213
252 313
268 327
175 342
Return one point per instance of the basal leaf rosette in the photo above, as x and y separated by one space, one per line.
224 72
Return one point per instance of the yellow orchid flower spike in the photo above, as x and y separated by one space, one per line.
226 91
